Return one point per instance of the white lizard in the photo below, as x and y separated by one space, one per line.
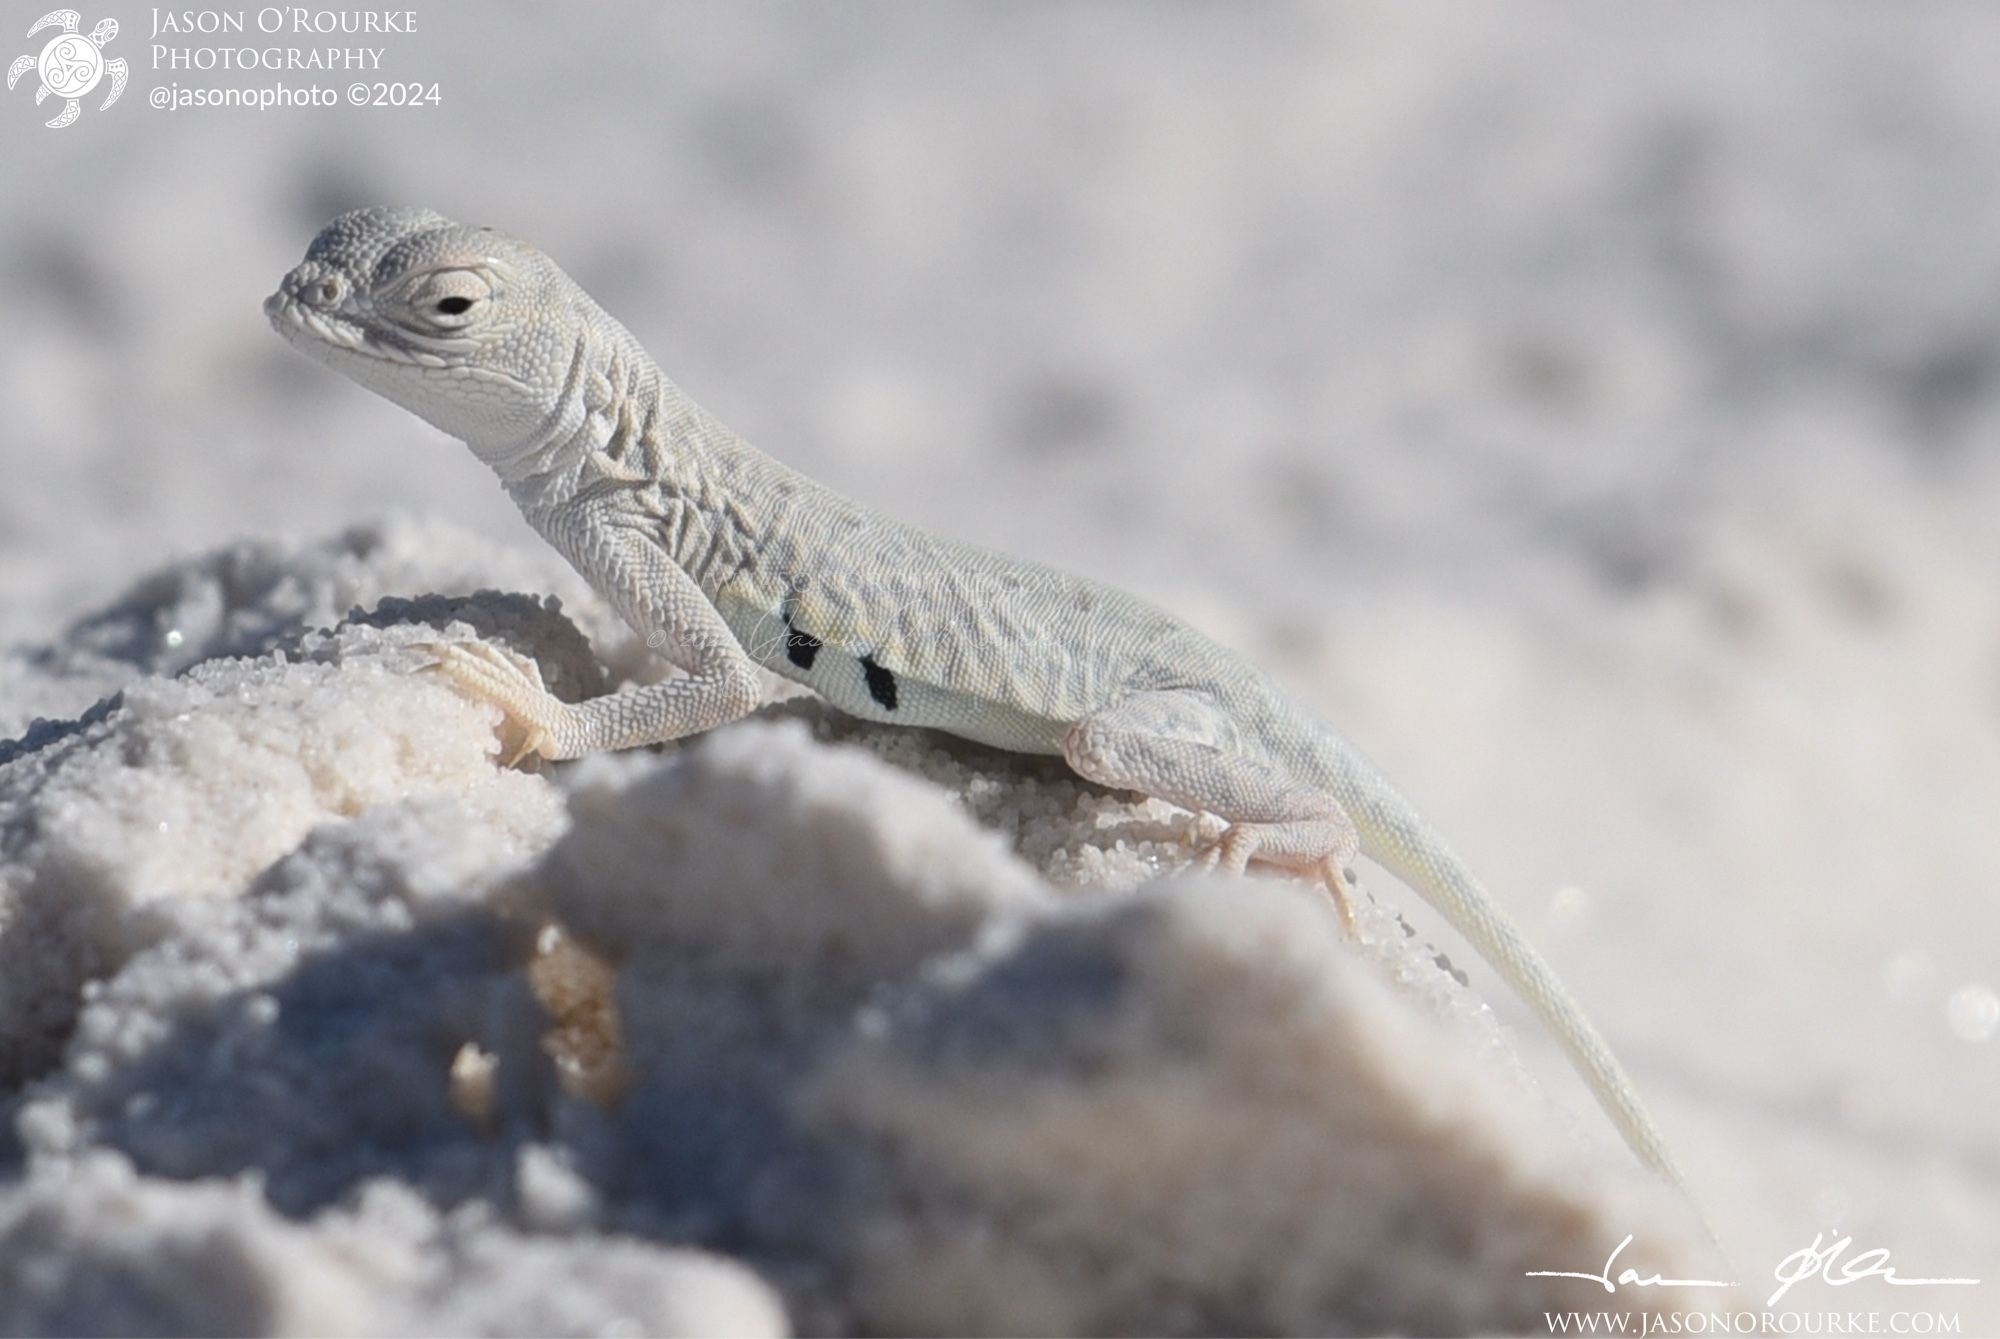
726 559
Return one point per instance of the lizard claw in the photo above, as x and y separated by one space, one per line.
536 741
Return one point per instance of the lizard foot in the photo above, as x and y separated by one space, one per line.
510 682
1238 845
1230 852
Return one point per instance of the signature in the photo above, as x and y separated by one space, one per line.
1821 1259
1631 1276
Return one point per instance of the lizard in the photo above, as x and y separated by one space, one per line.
726 559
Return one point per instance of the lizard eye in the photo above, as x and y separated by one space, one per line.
448 299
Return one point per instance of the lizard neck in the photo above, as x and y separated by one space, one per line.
624 445
598 413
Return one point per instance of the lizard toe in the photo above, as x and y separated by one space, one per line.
512 683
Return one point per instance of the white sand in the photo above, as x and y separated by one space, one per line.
1592 415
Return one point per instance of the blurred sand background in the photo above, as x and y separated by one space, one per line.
1591 410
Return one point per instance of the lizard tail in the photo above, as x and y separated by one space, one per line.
1394 835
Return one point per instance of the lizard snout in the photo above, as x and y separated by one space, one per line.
314 286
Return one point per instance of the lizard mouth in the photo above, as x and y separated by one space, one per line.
310 328
333 336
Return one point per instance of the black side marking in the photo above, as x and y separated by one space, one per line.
801 647
881 683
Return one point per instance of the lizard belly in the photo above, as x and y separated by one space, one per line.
862 686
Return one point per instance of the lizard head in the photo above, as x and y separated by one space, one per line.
468 328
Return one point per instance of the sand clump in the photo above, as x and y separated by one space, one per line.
315 1019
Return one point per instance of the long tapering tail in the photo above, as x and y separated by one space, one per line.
1395 835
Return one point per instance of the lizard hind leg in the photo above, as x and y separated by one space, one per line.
1178 746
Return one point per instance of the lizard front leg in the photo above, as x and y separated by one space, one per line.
1180 747
660 601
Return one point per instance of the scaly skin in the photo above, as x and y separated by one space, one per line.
725 559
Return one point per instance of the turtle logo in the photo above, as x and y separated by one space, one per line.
71 64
